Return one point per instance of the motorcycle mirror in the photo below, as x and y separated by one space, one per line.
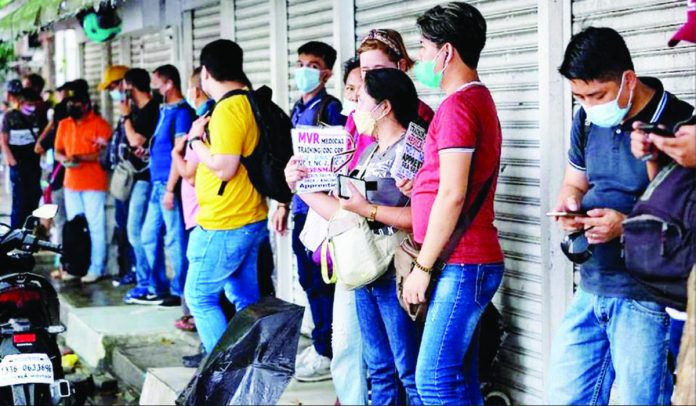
47 211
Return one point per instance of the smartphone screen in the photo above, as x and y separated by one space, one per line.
344 191
653 128
565 214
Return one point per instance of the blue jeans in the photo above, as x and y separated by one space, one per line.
447 369
606 340
137 209
319 294
347 366
26 192
222 260
391 341
159 220
91 204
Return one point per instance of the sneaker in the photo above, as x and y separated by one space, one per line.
314 368
193 361
299 360
171 301
133 293
87 279
127 279
148 299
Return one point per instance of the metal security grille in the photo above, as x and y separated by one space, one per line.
153 49
206 28
253 34
93 65
509 67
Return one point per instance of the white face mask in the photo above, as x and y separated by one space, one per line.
609 114
348 107
191 98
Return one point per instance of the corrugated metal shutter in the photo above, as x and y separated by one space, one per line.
509 67
153 49
308 20
92 56
206 28
115 47
647 42
253 34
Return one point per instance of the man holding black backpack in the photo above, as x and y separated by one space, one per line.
223 249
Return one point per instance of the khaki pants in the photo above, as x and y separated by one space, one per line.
685 391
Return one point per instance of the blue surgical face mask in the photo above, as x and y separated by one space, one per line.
117 96
205 107
307 79
609 114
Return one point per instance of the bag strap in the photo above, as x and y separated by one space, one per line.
320 113
29 123
467 217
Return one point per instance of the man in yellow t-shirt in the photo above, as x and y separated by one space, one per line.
223 249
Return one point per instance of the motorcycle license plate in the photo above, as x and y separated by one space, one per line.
19 369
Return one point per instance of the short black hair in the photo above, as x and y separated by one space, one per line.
224 61
28 94
36 82
169 72
596 54
394 85
348 66
138 78
459 24
321 50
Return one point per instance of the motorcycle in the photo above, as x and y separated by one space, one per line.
30 360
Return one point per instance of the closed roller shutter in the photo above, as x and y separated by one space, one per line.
206 28
253 34
115 47
308 20
647 42
509 67
153 49
93 67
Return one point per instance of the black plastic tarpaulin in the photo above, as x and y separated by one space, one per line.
254 360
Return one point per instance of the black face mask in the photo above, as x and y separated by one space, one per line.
75 112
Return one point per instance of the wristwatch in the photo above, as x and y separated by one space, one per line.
196 138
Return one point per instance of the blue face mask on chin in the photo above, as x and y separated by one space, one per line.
609 114
307 79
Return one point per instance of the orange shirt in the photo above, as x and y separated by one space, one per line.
83 138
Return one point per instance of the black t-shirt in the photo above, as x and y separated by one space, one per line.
144 122
60 112
22 132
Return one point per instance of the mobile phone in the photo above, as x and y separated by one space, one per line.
566 214
128 94
654 129
344 191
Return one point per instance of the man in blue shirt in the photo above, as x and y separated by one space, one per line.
315 62
164 213
612 332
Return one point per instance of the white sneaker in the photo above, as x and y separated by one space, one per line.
300 359
90 279
314 367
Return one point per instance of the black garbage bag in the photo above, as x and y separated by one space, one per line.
254 360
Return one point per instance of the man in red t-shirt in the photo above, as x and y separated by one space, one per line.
462 151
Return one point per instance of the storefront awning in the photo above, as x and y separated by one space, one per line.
34 14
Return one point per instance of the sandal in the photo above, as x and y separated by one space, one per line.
185 323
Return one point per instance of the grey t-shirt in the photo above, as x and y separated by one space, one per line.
379 171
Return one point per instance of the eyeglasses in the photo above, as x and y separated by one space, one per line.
576 247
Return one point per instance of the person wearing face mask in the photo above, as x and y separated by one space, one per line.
383 48
79 140
112 82
352 81
164 213
315 61
613 333
139 116
453 206
20 129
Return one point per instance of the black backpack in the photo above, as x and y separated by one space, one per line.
266 164
660 235
77 246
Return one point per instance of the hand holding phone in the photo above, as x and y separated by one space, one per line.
344 191
566 214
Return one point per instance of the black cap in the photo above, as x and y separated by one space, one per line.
13 86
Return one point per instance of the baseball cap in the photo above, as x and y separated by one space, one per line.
686 32
13 86
112 74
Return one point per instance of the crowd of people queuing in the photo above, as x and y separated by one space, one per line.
192 201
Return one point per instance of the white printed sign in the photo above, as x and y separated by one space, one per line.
19 369
410 161
315 146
